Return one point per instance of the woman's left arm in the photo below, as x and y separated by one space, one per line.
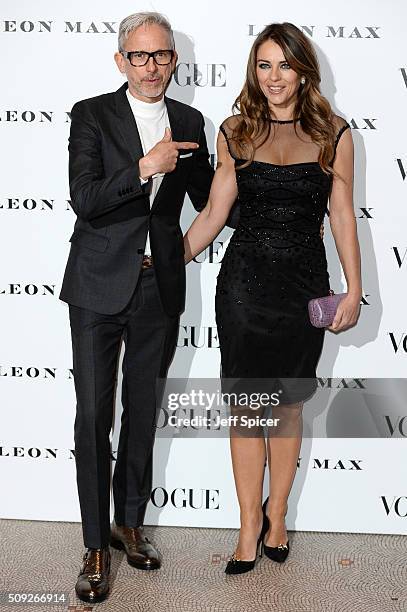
343 224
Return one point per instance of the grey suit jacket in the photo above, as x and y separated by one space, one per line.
113 210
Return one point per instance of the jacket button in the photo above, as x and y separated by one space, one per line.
140 251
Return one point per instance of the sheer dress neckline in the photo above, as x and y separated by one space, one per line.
283 121
258 161
283 142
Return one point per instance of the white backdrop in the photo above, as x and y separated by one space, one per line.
55 54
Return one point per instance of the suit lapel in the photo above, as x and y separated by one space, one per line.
177 131
129 131
175 119
127 124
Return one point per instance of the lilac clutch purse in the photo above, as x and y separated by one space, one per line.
322 310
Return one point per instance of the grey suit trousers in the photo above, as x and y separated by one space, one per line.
150 336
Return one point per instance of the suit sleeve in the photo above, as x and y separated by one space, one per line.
93 194
200 179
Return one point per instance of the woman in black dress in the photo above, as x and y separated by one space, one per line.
283 157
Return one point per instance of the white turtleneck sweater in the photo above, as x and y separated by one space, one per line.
151 119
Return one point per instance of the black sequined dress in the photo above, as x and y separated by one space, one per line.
275 262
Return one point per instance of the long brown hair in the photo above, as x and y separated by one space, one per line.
311 107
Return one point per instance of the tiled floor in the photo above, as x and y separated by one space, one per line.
324 572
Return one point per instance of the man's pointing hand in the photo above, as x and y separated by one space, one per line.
163 156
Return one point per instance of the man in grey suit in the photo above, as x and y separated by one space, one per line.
133 155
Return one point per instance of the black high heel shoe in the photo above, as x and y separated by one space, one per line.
275 553
237 566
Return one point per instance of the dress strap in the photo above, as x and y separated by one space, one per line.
339 134
222 129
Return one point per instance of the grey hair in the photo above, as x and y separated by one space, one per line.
132 22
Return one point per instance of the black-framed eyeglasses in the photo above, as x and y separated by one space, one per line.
162 57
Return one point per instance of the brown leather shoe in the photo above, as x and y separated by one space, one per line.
93 581
140 552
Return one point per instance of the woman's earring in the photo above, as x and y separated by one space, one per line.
302 80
